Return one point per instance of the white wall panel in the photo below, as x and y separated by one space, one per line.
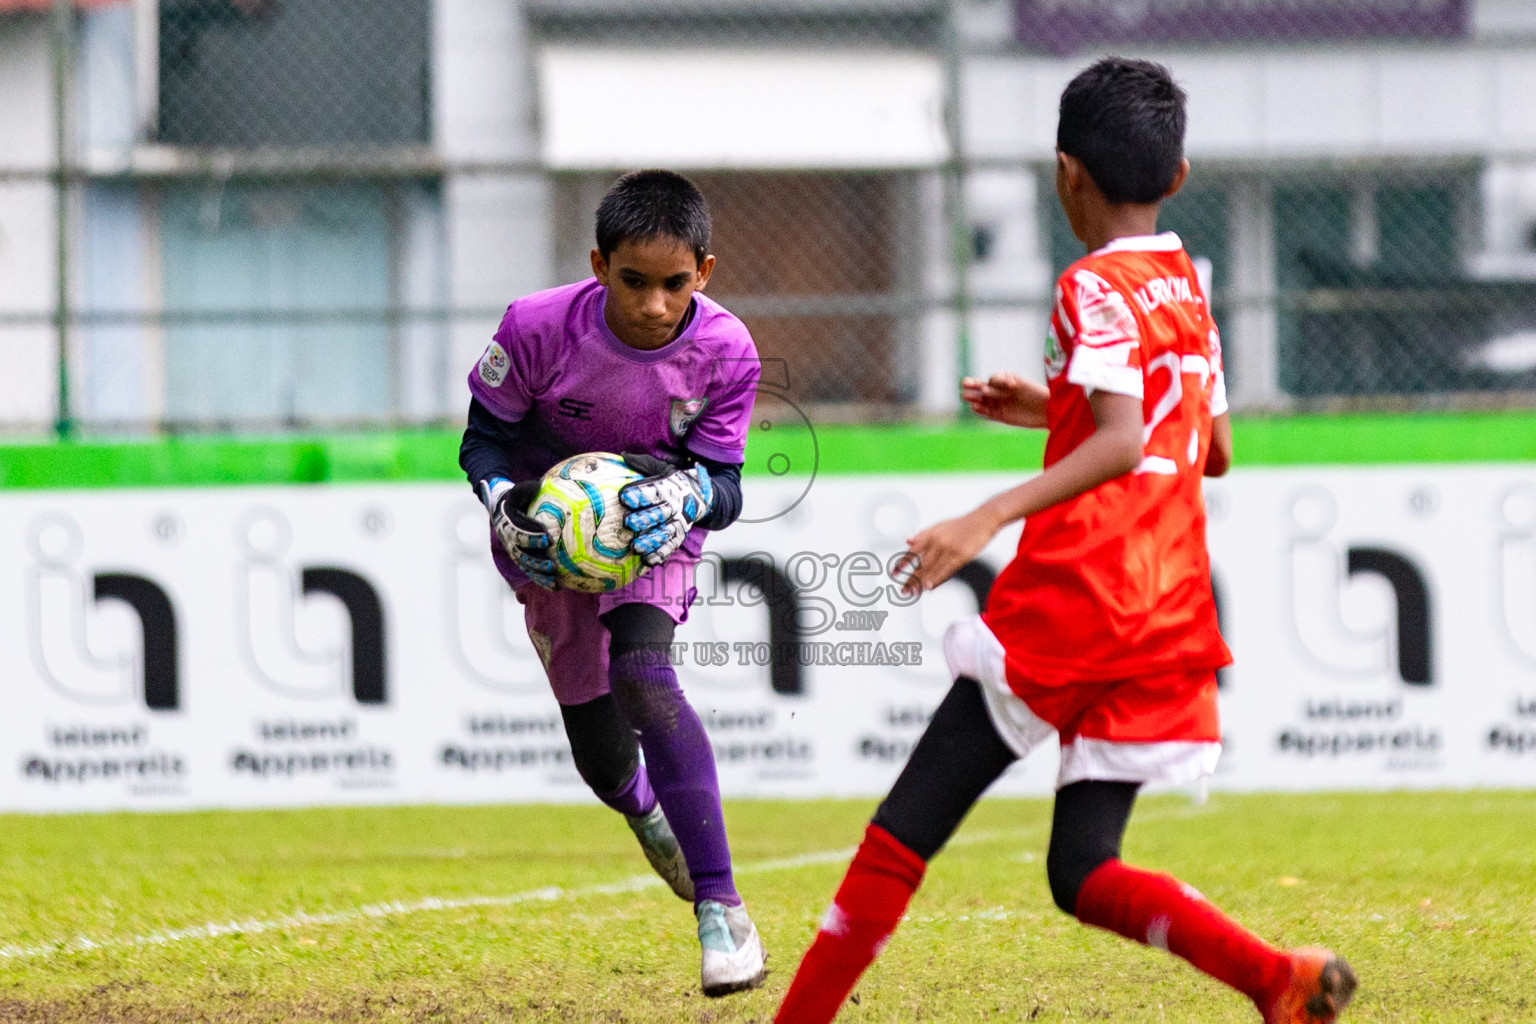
1446 103
1224 92
1315 104
1514 86
760 108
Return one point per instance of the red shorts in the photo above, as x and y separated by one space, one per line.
1162 728
1171 706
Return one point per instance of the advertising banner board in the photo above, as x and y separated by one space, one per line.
287 646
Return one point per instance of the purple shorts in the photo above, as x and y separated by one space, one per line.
572 643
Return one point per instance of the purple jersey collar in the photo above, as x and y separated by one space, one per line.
646 355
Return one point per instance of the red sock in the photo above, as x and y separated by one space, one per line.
874 894
1161 911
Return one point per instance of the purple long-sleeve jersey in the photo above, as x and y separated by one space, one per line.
555 368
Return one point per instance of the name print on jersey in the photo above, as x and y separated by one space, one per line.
1159 290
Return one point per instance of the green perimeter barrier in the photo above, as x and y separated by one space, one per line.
417 456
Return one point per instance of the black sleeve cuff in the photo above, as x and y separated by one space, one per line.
486 451
726 480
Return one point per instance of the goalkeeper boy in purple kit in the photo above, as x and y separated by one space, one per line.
635 360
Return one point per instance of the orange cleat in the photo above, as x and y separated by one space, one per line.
1322 983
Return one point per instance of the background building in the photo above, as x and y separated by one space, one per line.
310 213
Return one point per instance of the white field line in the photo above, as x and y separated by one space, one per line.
547 894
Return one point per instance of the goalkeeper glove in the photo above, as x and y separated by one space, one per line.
523 537
664 506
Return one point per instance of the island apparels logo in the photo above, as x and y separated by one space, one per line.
107 641
297 645
1398 645
1516 615
486 636
1517 570
1320 569
484 621
64 601
291 643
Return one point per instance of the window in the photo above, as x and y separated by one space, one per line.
284 299
250 73
280 301
1373 296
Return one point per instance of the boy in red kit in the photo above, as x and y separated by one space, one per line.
1103 628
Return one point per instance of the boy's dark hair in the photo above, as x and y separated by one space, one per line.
653 204
1124 119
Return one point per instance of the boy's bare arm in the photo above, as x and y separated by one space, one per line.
1219 459
1113 450
1006 398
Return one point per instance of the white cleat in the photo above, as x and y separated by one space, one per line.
733 956
661 849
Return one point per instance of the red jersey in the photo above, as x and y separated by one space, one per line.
1115 583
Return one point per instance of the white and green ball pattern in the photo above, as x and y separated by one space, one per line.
578 502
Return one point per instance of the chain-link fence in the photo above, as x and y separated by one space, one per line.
272 214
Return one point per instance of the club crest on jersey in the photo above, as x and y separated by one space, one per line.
684 412
493 365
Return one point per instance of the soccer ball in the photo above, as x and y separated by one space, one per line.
578 503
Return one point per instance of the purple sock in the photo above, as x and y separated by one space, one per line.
635 798
681 764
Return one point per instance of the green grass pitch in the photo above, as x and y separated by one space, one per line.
545 914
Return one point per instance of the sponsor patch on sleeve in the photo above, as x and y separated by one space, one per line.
493 365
